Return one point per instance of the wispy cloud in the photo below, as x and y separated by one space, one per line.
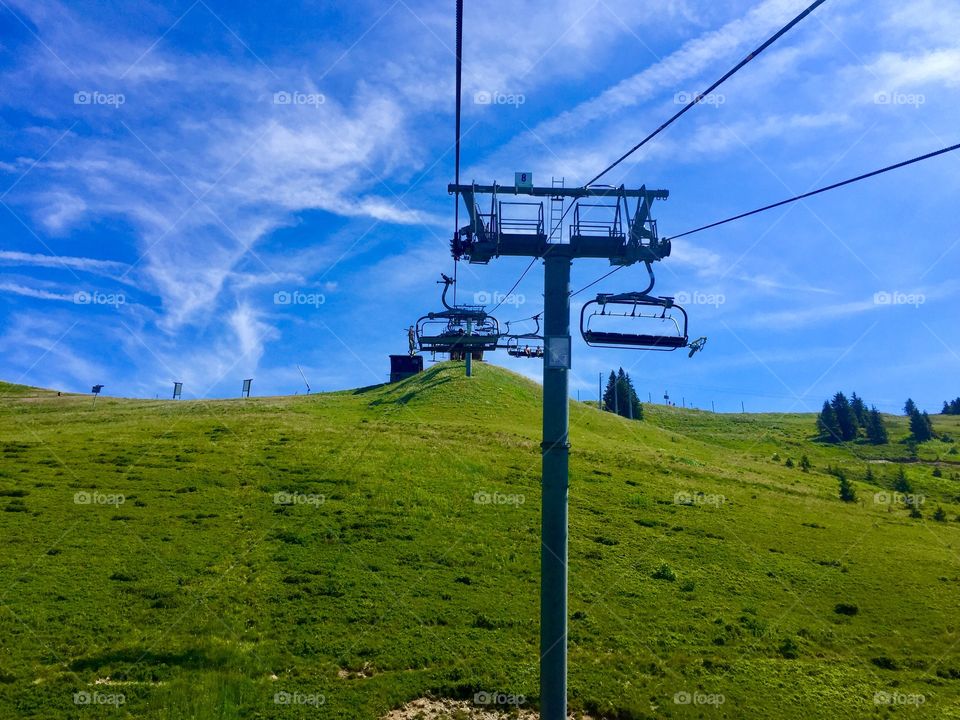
26 291
104 267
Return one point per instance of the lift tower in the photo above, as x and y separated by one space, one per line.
603 226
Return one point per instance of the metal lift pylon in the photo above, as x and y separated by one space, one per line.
622 238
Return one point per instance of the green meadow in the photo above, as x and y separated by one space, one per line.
338 555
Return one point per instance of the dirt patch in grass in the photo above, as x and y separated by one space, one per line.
428 709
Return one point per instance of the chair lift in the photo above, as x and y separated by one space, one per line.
613 321
525 350
457 330
515 349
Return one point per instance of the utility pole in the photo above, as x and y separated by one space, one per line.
599 391
742 408
631 237
713 408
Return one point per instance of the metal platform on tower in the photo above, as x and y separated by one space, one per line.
615 225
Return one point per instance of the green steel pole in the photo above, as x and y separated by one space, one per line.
556 451
469 356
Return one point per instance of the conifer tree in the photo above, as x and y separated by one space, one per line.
859 410
609 394
876 430
901 484
845 417
921 428
847 493
827 423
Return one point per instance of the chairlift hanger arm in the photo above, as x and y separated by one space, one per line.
447 281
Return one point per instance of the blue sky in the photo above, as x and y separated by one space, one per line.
158 193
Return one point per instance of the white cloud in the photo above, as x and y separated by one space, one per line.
905 71
692 58
106 267
26 291
60 211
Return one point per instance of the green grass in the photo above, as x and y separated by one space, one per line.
200 597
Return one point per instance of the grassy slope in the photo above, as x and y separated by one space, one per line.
199 587
12 390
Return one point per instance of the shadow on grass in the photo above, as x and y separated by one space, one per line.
191 658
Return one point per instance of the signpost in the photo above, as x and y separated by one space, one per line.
177 390
246 387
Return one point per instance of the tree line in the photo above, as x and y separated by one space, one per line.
842 420
951 407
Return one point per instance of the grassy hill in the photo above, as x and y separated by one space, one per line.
146 556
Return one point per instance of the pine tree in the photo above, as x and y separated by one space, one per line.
827 424
629 403
635 406
623 393
940 515
847 493
876 430
909 407
901 484
869 477
955 406
920 426
946 408
609 394
845 417
620 396
859 410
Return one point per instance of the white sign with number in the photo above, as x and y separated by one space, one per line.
523 179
